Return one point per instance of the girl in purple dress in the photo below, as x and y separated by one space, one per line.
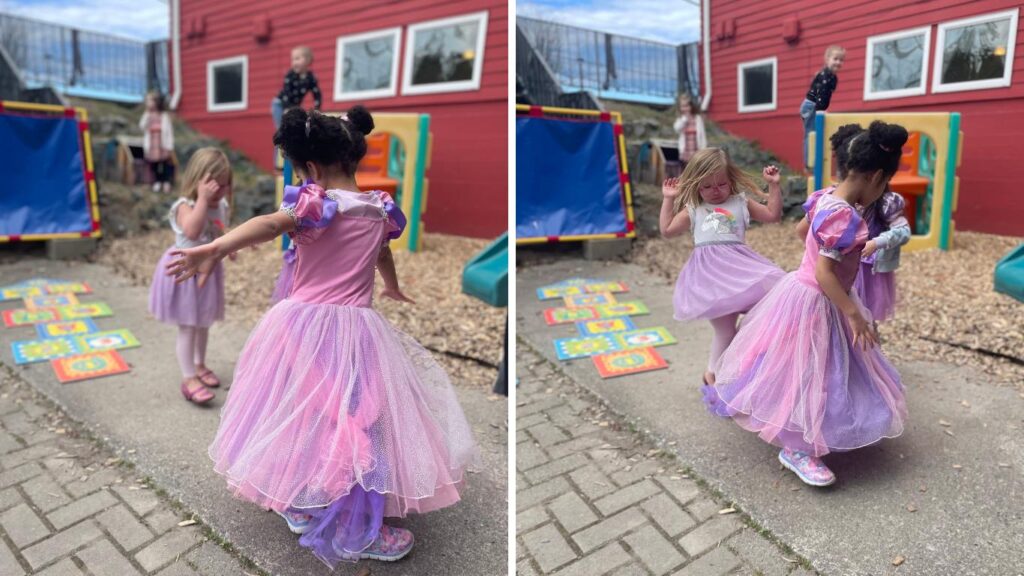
335 419
723 277
804 372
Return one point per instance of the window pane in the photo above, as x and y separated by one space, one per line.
975 52
367 64
445 53
897 64
227 84
757 85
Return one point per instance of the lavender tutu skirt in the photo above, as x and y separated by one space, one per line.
334 412
721 279
877 290
793 376
186 304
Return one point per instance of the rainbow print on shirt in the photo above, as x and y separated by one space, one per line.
720 221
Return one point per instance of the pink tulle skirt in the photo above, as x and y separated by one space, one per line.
793 376
329 399
877 290
186 304
721 279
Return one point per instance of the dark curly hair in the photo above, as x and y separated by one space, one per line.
877 148
841 146
325 140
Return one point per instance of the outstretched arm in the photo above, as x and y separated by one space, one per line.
202 259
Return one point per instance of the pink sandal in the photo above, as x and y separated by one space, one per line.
208 378
199 395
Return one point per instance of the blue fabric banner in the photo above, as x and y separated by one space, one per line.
44 181
567 179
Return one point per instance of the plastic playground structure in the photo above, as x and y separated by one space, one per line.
929 184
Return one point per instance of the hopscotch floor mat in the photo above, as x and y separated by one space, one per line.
608 334
68 336
87 366
627 362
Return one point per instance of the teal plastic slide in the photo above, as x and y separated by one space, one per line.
1009 275
485 276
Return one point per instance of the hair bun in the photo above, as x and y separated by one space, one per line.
843 134
888 136
360 117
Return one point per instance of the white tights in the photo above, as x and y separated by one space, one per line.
725 331
191 348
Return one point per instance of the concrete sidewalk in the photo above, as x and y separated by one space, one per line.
143 415
948 499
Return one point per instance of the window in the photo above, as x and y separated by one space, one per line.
758 81
367 65
975 53
896 64
227 83
445 55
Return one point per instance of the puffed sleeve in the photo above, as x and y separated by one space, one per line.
396 218
838 231
310 208
812 200
172 214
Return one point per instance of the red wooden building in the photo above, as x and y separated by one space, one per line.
930 55
448 59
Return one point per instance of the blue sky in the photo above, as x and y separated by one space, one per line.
139 19
672 21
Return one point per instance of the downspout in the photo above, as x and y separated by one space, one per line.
176 51
705 13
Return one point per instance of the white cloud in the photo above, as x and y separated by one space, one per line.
672 21
139 19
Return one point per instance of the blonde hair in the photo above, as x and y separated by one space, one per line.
834 49
708 162
306 51
205 161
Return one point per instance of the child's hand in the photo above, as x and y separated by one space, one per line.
189 262
208 189
863 333
396 294
771 174
670 188
869 249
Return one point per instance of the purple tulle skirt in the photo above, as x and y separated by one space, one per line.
335 412
877 290
793 376
186 304
721 279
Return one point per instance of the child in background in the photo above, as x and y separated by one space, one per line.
820 93
297 81
335 419
197 218
157 141
888 230
690 126
723 277
804 371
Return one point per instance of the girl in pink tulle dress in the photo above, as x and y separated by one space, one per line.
804 371
723 277
335 419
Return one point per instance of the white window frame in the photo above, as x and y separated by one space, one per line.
774 61
339 59
870 54
459 86
210 65
940 43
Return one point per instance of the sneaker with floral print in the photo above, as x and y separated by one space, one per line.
298 522
809 469
392 544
